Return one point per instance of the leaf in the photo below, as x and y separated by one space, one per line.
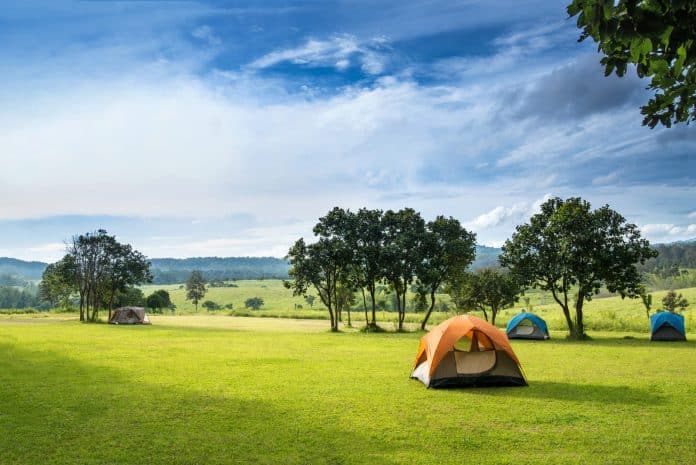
679 63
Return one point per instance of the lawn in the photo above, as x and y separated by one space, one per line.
601 314
213 389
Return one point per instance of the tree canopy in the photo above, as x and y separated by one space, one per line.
569 247
195 288
485 290
659 38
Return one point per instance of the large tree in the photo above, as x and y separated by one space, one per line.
126 267
659 38
321 265
446 251
485 290
195 287
367 239
404 233
569 248
102 268
58 283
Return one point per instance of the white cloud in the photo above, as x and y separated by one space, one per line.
667 232
691 215
206 34
606 179
336 52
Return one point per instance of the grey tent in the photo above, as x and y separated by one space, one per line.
129 316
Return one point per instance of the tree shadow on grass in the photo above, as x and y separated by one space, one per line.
591 393
54 409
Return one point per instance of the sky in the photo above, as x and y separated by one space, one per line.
226 128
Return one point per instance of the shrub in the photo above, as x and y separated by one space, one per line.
254 303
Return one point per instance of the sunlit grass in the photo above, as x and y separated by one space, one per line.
215 389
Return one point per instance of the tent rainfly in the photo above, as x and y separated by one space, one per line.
527 326
129 316
667 326
466 351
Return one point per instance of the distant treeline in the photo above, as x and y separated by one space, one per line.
672 256
11 297
15 272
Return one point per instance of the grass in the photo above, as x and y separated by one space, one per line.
601 314
213 389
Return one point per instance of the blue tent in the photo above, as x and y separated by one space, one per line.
667 326
539 329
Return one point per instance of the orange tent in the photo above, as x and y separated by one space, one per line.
489 360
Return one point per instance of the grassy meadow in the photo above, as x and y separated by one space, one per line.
601 314
212 389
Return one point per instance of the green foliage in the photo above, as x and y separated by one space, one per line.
673 301
658 37
485 290
195 287
310 300
568 247
131 297
254 303
159 300
13 298
211 306
58 282
229 306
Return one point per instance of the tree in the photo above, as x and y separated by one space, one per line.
446 251
673 301
253 303
103 267
319 265
125 267
404 232
568 246
210 305
310 300
58 282
486 290
367 238
131 297
659 38
646 299
195 287
158 300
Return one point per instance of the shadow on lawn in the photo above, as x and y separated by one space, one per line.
59 410
578 393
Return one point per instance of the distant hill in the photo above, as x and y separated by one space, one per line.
20 269
176 270
486 257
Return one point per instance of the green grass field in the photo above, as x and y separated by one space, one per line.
201 389
602 314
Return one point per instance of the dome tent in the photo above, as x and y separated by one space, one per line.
667 326
488 361
527 325
129 316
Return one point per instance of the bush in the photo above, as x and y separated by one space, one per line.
254 303
210 305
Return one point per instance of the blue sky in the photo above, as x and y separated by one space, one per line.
227 128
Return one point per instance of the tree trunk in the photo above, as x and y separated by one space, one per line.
374 306
430 310
566 311
494 313
579 332
485 314
367 320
